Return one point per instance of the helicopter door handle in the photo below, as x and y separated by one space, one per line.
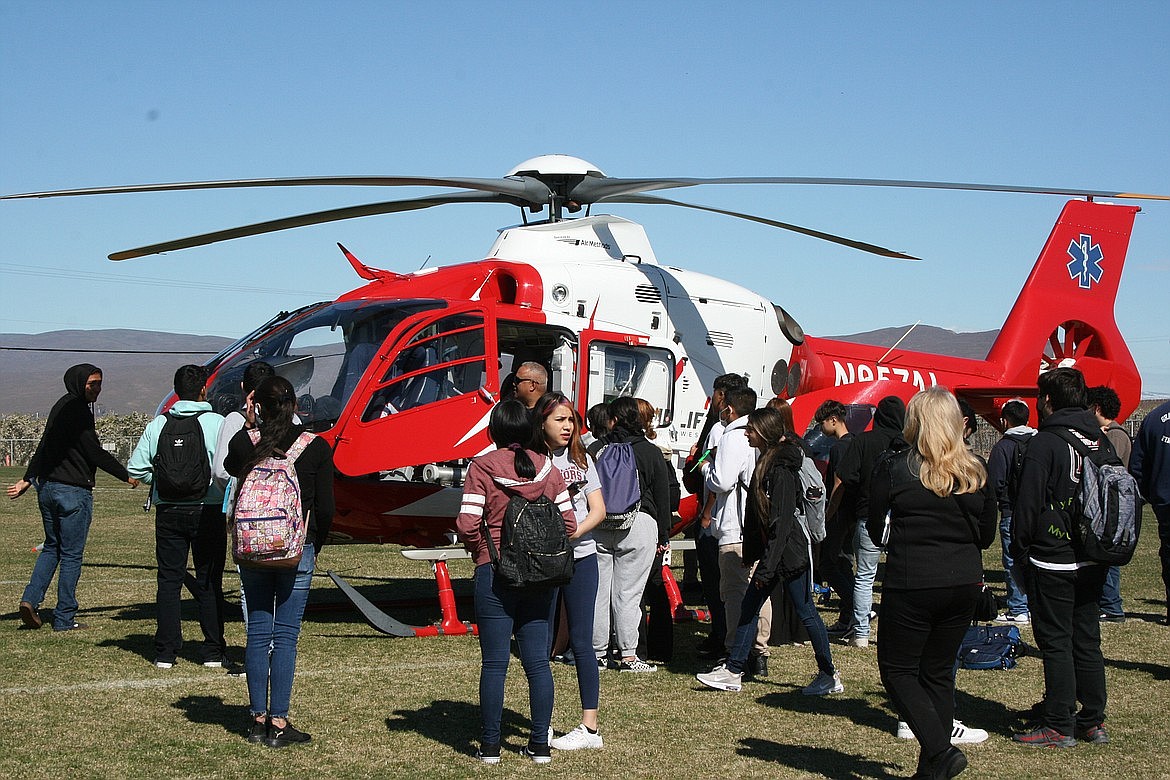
486 395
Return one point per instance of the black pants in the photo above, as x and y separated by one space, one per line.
920 637
1162 513
1066 625
656 632
707 550
201 531
836 562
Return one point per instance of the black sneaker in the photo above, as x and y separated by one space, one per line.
538 751
1109 617
1096 735
488 754
258 731
278 737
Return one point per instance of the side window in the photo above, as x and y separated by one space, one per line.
443 360
617 370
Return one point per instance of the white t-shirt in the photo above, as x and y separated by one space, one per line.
587 482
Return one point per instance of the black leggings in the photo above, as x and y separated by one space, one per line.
921 631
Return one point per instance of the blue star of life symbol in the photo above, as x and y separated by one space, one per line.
1086 261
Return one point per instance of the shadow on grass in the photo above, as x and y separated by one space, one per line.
212 710
136 644
1156 671
818 761
856 711
457 725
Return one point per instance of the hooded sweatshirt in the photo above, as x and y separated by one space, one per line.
69 451
1150 460
857 464
1048 482
491 482
141 463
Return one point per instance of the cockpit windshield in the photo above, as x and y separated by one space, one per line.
323 355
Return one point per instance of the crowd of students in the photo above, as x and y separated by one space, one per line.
767 523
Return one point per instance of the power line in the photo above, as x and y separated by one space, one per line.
66 273
111 351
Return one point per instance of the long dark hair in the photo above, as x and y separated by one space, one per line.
626 416
769 424
510 427
277 400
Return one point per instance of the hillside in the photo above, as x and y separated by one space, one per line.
928 338
30 381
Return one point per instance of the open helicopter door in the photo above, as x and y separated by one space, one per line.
425 398
625 365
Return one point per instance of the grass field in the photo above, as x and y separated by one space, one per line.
90 703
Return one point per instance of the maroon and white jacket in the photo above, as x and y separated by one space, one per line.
484 496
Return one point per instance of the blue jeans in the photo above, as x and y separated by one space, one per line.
502 613
276 604
66 511
1111 593
1017 599
580 598
799 592
868 556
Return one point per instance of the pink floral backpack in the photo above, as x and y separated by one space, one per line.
268 526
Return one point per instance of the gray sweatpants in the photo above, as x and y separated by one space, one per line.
623 564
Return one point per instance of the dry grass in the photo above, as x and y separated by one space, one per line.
90 704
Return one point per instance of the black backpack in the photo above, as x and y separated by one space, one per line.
1016 467
182 471
534 549
1106 512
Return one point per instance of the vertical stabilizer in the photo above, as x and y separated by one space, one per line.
1064 313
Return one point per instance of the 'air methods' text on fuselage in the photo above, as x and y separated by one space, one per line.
848 373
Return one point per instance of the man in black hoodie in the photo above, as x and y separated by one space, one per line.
1063 586
853 475
62 468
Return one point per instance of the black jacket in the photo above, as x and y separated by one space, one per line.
934 542
768 539
69 451
314 475
1048 482
857 464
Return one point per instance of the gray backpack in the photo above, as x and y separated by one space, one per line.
811 503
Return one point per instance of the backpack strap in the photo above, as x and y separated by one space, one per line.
298 446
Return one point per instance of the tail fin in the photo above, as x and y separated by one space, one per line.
1064 313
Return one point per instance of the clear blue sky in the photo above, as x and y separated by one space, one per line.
1066 94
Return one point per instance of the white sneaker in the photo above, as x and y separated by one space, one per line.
823 684
578 739
637 665
721 678
967 735
857 641
1021 619
164 664
961 734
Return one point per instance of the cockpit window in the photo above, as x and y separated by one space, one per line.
323 355
443 360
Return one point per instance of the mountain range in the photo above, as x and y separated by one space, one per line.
138 366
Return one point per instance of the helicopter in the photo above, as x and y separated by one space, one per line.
400 374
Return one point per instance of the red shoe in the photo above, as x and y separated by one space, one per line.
1042 736
1094 734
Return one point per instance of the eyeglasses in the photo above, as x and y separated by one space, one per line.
535 382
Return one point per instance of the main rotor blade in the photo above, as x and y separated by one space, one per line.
316 218
849 242
594 189
531 191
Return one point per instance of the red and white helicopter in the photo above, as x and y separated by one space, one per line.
401 373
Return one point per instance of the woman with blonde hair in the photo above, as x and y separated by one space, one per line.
941 515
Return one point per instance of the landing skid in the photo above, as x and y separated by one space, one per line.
448 625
